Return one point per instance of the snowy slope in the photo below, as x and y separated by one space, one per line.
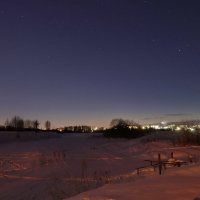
179 184
59 168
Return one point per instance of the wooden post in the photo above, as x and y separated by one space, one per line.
159 164
84 170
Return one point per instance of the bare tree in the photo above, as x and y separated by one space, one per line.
48 125
123 123
17 122
28 124
118 123
36 124
7 123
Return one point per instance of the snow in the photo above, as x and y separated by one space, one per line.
87 167
181 184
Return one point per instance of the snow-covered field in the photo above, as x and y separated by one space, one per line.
179 184
61 167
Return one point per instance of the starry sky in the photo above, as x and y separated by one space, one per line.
89 61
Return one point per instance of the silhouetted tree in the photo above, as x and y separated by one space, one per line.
121 128
20 124
17 123
36 124
7 123
121 123
48 125
117 123
28 124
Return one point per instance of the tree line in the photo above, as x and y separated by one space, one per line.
119 128
18 123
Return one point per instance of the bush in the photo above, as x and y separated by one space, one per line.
124 132
121 128
188 138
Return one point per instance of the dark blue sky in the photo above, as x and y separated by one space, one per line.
88 61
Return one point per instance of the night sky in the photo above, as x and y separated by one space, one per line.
89 61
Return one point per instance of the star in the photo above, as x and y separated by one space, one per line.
180 51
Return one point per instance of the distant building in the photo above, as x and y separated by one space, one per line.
191 125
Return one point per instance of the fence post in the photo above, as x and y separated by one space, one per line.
159 164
